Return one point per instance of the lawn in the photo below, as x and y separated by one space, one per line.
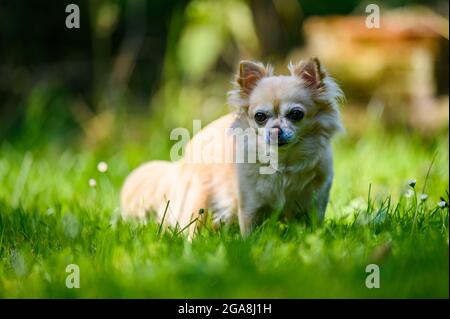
51 217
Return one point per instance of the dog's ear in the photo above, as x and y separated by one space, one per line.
309 71
249 75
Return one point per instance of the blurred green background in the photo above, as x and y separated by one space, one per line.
114 89
136 69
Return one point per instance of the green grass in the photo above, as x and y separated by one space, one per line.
50 217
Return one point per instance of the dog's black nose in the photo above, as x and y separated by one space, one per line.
283 136
277 130
277 135
280 135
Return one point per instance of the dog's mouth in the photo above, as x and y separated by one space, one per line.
279 141
282 143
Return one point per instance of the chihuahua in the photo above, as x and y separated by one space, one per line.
291 117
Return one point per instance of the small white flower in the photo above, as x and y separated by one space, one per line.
412 183
102 167
92 182
423 197
409 193
442 204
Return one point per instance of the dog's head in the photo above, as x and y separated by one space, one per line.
288 108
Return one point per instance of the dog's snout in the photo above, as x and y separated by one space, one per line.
281 137
278 135
277 130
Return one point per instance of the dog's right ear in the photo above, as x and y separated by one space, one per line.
246 79
249 75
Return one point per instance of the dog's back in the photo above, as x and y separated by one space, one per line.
202 179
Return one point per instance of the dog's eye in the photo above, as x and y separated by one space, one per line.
260 117
295 115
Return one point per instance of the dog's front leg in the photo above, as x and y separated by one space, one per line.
322 198
246 221
249 203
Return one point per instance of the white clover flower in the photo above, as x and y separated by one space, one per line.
412 183
442 204
102 167
92 182
423 197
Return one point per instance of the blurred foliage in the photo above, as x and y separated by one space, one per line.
164 61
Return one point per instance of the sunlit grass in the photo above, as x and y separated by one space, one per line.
52 216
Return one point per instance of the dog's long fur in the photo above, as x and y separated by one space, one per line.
228 190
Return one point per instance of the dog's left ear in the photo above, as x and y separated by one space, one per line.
309 71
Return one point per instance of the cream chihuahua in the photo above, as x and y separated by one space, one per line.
294 116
